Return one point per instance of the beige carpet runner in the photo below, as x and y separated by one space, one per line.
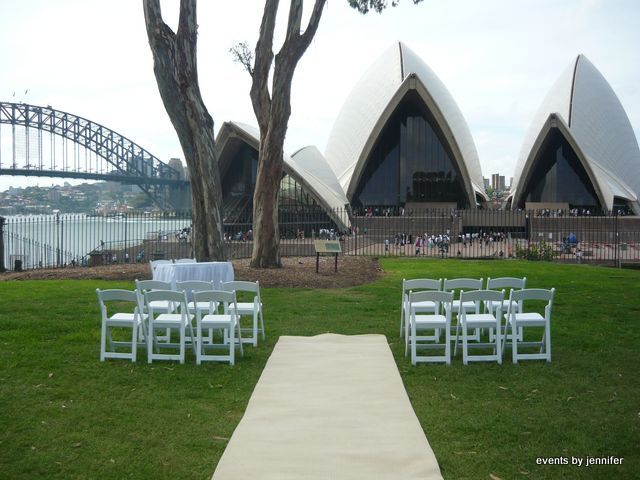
329 407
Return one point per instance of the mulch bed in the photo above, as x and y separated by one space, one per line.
295 272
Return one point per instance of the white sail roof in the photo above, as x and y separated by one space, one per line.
598 124
371 103
307 166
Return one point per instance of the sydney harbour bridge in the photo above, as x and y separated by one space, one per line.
44 142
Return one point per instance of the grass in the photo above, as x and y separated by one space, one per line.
63 414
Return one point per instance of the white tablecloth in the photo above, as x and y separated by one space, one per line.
179 272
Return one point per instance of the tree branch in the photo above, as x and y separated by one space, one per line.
187 35
260 98
243 55
295 21
363 6
314 21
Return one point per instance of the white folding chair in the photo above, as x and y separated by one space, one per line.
416 284
191 286
133 318
525 317
508 284
490 318
434 321
180 321
154 263
253 308
143 286
211 318
457 286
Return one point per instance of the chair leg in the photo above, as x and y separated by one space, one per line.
103 341
455 350
412 341
182 342
232 343
150 345
464 343
199 345
547 343
498 348
240 338
407 326
514 342
134 342
447 345
255 328
262 323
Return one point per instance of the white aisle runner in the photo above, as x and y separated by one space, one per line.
329 407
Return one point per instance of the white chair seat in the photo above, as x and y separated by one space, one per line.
467 306
529 319
162 305
430 321
125 319
217 321
480 320
171 319
192 306
246 308
426 306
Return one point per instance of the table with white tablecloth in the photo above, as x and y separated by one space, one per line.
219 272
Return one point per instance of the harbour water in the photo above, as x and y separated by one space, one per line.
62 239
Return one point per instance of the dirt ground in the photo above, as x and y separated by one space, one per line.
296 272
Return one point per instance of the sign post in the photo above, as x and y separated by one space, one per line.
327 246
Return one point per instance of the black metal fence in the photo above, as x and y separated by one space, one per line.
29 242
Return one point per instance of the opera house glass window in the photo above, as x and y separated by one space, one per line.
237 185
239 181
558 176
410 162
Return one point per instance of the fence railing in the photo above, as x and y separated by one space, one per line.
61 240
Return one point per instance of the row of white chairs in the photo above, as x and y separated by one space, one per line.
155 311
429 305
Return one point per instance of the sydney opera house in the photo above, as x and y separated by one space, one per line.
400 141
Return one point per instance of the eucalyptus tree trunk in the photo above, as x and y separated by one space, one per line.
176 72
272 113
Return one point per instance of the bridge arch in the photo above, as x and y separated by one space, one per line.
124 160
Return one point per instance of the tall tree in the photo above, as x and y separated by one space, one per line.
176 71
273 109
272 113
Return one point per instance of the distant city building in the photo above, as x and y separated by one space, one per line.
53 195
497 182
487 183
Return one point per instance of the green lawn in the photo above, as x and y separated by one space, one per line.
63 414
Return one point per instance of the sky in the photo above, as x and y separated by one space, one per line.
498 58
